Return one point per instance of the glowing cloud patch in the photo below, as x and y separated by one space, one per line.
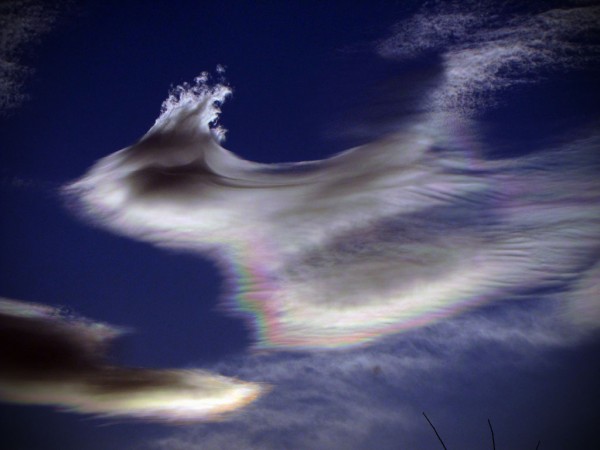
382 238
49 358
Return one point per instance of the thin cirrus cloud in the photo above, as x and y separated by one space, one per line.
52 358
21 23
373 396
484 52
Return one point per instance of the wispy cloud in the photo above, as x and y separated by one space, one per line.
52 358
488 48
373 396
22 22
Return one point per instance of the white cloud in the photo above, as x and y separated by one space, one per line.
484 51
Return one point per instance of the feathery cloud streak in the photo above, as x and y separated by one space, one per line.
485 49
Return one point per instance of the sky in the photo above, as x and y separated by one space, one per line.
299 225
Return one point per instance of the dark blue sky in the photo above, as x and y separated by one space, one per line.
304 74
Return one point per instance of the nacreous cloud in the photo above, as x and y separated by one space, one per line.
381 238
48 358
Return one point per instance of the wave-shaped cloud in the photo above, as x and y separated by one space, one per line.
381 238
51 358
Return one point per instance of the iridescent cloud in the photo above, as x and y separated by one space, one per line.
51 358
378 239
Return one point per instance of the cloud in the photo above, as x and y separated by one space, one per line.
52 358
486 48
382 238
489 268
460 371
22 22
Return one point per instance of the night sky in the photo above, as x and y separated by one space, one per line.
310 80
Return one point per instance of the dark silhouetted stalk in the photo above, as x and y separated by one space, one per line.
435 431
492 431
